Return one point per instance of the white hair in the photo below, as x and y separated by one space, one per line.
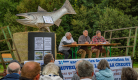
67 34
50 68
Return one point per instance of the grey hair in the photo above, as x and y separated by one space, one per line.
50 68
10 71
85 69
85 30
98 32
103 64
77 63
67 34
129 74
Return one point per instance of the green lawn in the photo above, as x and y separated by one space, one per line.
135 65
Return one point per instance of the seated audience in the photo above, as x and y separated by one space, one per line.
50 72
104 71
98 39
83 50
129 74
30 71
67 39
85 70
13 71
47 59
75 76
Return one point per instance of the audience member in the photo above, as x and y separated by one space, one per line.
85 70
104 71
129 74
50 72
30 71
13 71
75 76
17 62
47 59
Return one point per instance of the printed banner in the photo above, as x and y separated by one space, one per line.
67 66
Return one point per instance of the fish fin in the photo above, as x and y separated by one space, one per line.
47 29
69 8
58 22
41 9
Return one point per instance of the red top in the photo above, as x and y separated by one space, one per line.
96 40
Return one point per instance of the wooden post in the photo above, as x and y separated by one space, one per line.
104 34
128 42
55 48
135 41
110 36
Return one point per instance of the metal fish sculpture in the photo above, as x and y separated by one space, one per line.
36 19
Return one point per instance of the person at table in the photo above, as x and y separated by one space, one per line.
83 50
98 39
67 39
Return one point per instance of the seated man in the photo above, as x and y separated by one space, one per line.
98 39
85 70
30 71
13 71
67 39
47 59
84 39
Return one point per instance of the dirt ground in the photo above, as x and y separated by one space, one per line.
136 69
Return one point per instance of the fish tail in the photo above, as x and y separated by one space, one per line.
69 8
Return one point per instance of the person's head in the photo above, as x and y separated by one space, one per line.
48 58
17 62
50 68
77 63
85 69
103 64
98 33
85 33
31 70
13 68
68 35
129 74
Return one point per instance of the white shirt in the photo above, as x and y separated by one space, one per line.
86 79
60 48
47 77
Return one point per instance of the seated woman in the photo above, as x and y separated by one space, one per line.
50 72
104 71
129 74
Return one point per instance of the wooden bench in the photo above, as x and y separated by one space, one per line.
61 54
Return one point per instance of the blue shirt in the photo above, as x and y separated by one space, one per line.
105 74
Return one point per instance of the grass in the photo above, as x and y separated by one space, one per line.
135 65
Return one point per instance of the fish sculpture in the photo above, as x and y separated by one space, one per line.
39 19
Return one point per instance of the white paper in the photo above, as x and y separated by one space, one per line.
38 43
48 19
104 43
38 55
47 43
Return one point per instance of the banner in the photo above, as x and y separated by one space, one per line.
67 66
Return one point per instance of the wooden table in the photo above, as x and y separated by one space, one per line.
89 45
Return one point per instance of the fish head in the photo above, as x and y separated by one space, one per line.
29 19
